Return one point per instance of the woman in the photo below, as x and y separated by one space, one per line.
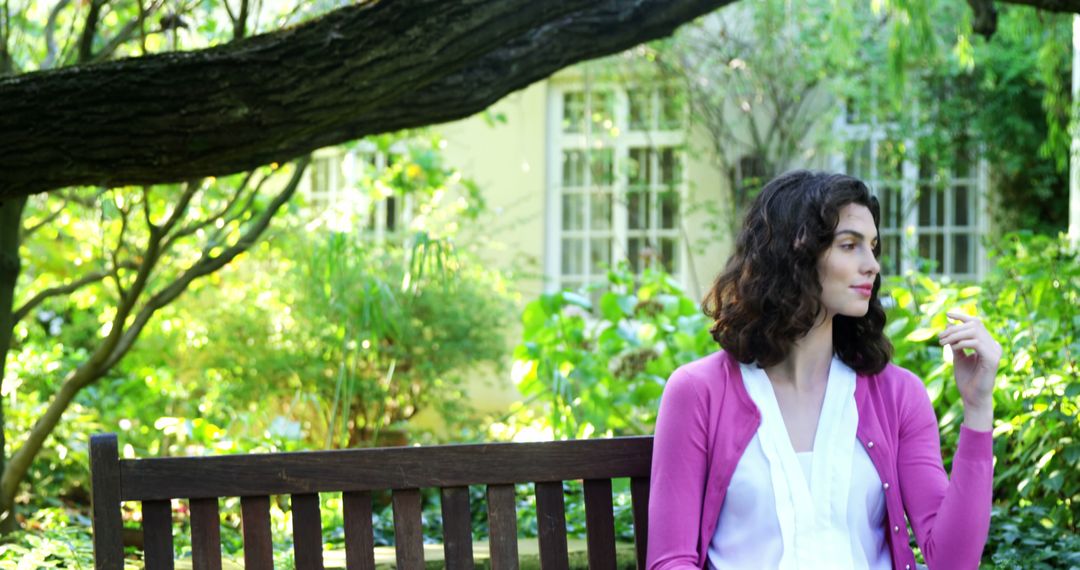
799 445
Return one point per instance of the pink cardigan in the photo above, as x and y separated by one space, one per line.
707 419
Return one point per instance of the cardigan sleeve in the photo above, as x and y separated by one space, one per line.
679 466
950 516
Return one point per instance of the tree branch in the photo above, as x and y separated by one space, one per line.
66 289
27 231
192 228
86 40
50 35
127 32
275 96
207 264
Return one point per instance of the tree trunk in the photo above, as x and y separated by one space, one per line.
367 68
11 210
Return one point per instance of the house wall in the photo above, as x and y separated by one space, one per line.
506 151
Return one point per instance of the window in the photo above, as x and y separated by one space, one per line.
617 182
342 193
931 216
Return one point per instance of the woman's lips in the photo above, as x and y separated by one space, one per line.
864 290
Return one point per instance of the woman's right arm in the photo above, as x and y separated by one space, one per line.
679 465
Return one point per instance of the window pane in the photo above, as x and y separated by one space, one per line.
602 166
603 111
637 206
573 258
924 247
320 175
599 254
391 213
925 201
634 249
670 167
960 205
962 254
939 210
939 253
573 211
672 102
640 109
667 254
574 112
858 159
890 255
890 160
573 168
600 215
669 209
639 167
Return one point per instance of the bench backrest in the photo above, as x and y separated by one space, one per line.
358 472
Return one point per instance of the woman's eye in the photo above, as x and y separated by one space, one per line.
848 246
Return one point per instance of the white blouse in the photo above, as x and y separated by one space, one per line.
795 511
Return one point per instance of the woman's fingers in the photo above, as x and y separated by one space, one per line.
969 329
963 317
971 343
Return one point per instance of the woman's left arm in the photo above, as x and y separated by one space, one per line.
951 516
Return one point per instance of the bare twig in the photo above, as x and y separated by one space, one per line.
50 35
29 230
86 40
128 31
206 264
65 289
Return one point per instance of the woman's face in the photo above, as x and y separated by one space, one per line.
848 267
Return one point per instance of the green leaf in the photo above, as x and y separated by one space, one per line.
920 334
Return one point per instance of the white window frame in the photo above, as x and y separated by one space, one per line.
343 201
909 231
620 145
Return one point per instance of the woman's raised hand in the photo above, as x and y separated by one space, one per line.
975 370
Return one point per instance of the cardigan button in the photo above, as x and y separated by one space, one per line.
907 566
869 444
886 486
895 529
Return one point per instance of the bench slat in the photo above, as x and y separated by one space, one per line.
307 531
551 525
639 496
408 530
205 534
600 524
359 539
157 535
258 545
457 528
365 469
107 493
502 527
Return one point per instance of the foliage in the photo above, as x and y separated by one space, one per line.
1013 104
1030 301
1026 538
599 368
754 79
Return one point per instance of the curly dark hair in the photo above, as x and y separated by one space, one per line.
769 295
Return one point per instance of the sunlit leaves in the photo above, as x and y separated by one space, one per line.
1030 303
601 370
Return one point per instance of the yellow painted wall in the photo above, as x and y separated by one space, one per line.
508 160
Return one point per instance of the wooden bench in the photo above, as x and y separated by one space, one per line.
356 473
